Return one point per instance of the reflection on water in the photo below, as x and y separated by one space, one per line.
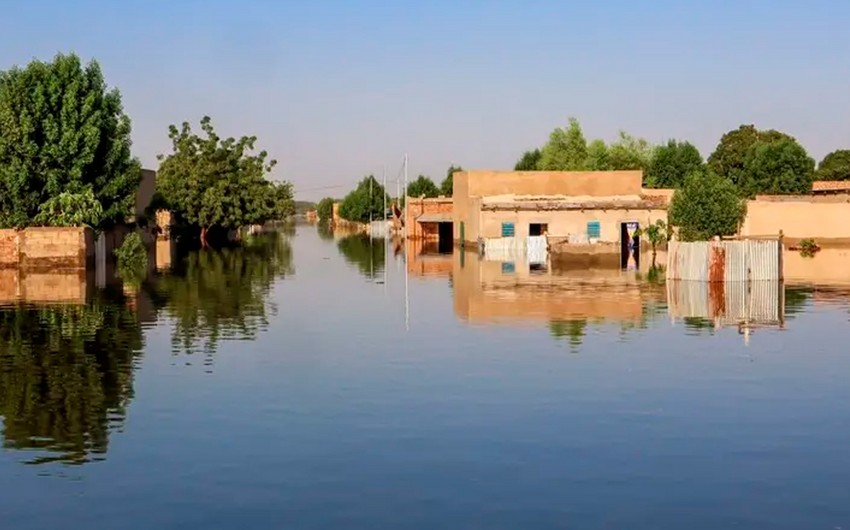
66 376
364 252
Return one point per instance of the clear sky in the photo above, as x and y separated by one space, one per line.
338 89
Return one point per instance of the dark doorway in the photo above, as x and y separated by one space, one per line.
537 229
445 243
629 246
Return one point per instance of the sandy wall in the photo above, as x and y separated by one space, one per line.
53 248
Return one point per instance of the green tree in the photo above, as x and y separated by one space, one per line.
780 166
209 182
656 233
447 186
835 166
529 161
706 205
62 130
364 202
597 156
422 187
671 163
566 149
629 153
71 209
284 202
325 209
729 156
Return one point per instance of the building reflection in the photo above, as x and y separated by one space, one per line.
425 259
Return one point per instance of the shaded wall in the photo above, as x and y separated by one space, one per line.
54 247
416 207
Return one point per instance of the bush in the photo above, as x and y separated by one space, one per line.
808 248
132 259
707 205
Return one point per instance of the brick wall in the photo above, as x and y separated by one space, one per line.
417 207
47 248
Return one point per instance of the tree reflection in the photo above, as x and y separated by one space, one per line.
572 330
325 230
215 295
66 377
366 253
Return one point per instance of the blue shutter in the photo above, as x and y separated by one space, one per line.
508 230
593 229
508 267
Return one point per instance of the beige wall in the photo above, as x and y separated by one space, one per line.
416 207
46 247
53 287
829 266
563 223
591 183
797 219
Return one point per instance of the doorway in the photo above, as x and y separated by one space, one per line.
537 229
629 246
445 238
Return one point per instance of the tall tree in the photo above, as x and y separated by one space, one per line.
325 209
529 161
729 157
781 166
364 202
629 153
62 130
597 156
447 186
671 163
422 187
566 149
835 166
209 182
706 205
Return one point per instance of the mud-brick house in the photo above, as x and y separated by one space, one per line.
429 219
581 212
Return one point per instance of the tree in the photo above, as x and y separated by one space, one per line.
529 161
729 157
71 209
835 166
566 149
780 166
365 202
706 205
656 234
284 203
325 209
422 187
447 186
209 182
597 156
671 163
63 131
629 153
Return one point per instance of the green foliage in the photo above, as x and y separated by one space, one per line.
706 205
71 209
728 159
671 163
213 182
566 149
422 187
366 253
364 202
597 156
656 233
572 330
779 166
808 248
835 166
325 209
529 161
629 153
447 186
132 259
325 230
302 207
63 131
67 377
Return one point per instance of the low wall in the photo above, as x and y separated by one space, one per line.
47 248
798 218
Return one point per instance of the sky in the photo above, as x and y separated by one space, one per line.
339 89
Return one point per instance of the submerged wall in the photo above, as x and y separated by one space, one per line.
47 248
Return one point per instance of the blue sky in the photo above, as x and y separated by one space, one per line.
339 89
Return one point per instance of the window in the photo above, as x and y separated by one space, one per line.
593 229
508 267
508 230
537 229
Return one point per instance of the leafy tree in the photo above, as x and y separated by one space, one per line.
284 203
671 163
529 161
835 166
63 131
629 153
210 182
597 156
566 149
729 157
302 207
325 209
656 234
422 187
447 186
364 202
780 166
71 209
706 205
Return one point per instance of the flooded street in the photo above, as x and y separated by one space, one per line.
313 381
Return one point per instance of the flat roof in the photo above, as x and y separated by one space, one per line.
434 218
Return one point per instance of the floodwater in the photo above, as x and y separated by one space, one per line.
313 381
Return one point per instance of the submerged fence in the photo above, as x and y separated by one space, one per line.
729 303
730 261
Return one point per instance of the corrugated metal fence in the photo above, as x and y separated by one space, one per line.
729 303
731 261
